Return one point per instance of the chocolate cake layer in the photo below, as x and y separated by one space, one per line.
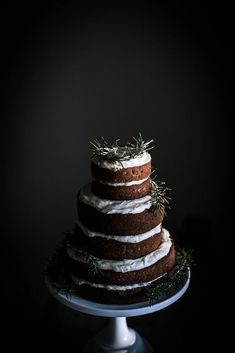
112 249
121 192
115 223
122 175
81 271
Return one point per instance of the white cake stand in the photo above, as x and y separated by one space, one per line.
117 336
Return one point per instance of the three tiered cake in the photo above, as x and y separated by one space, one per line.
119 247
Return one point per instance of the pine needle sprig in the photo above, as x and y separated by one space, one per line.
160 201
114 153
172 281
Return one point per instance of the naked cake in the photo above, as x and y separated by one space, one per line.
118 246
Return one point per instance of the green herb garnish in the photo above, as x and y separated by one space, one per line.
113 152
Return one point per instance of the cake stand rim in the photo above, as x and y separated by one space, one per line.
86 306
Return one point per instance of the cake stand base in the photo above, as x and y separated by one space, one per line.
117 337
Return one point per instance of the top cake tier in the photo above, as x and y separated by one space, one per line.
121 180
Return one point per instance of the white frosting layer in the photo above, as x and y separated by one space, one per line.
134 162
130 183
111 286
121 238
113 206
127 265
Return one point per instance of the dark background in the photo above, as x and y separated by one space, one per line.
75 72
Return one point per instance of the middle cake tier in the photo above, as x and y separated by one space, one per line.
115 247
115 216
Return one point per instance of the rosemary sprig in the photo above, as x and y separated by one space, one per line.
90 260
57 275
109 151
160 201
113 152
66 287
172 281
139 146
93 266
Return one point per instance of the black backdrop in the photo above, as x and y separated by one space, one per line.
73 73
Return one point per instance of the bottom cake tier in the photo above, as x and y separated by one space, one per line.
119 281
106 296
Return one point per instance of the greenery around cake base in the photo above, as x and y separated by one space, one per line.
173 281
59 278
56 273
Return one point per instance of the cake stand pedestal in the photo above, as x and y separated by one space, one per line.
117 337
